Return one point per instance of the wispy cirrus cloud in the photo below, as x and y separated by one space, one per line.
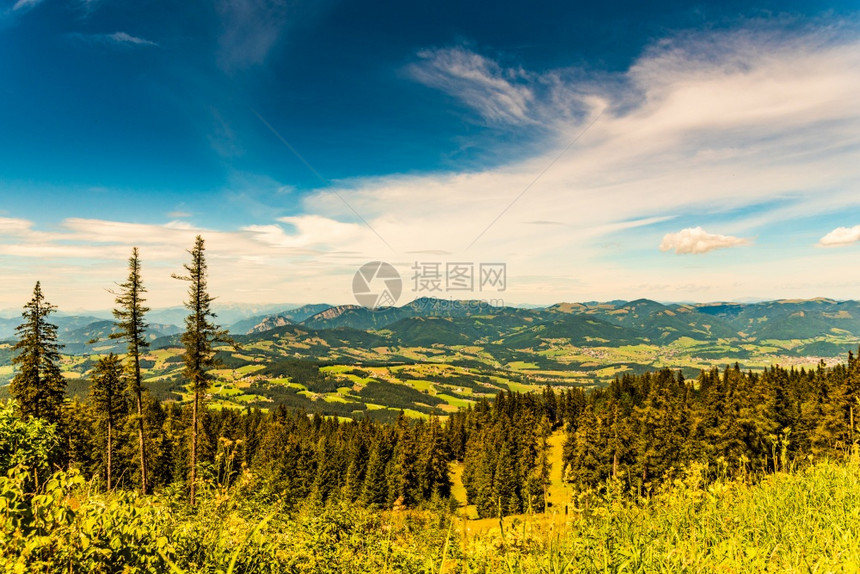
498 94
840 237
700 126
89 6
250 29
250 260
703 129
695 241
25 4
124 38
118 39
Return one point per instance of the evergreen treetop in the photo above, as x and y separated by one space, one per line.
39 385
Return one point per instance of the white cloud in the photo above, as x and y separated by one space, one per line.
12 226
695 240
89 6
84 257
251 28
841 236
25 4
498 94
116 39
696 128
124 38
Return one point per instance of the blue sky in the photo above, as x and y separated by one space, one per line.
701 151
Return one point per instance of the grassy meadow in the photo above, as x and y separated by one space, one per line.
805 521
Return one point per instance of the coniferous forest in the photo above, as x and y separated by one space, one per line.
120 481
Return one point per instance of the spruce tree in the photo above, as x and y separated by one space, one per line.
433 473
131 327
374 492
38 386
108 396
79 440
327 473
201 333
402 471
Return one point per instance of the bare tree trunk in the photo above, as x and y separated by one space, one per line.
109 449
143 485
142 449
194 447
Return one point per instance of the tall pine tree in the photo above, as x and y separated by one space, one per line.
200 335
109 399
131 326
38 386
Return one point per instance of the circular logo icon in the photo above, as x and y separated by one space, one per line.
377 284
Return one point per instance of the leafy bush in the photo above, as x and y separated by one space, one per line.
63 529
31 444
807 521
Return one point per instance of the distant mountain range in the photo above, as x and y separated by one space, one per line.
433 356
428 321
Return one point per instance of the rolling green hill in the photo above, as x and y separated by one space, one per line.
443 355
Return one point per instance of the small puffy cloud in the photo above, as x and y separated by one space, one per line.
841 236
695 240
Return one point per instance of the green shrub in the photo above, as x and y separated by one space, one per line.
31 444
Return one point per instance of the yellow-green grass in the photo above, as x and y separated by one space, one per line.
355 379
522 388
559 493
248 369
288 383
521 366
336 369
458 492
162 354
803 522
609 372
455 401
421 385
459 390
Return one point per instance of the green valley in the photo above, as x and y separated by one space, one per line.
432 356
